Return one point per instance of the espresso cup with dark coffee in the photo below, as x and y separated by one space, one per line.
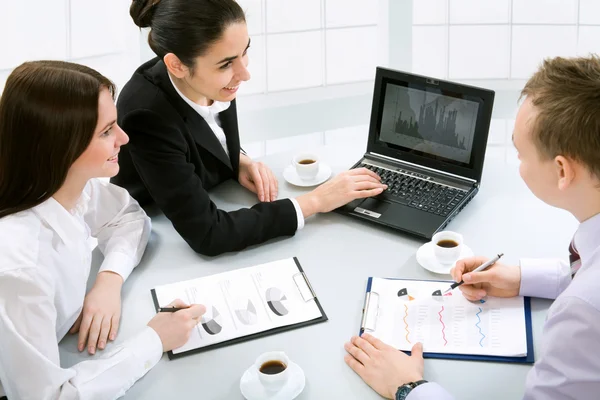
307 165
447 247
272 369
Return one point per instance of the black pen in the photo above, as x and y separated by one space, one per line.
170 309
480 268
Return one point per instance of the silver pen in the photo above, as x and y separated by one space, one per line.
478 269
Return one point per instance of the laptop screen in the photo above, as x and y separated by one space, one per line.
428 121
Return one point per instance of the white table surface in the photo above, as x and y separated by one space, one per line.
338 253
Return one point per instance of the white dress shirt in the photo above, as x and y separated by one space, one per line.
45 256
211 115
569 362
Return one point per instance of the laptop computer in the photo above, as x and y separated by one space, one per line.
427 141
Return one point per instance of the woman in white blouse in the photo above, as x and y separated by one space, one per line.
58 133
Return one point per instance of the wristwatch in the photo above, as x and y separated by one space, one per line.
405 389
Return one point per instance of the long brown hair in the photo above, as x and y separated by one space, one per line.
48 114
566 94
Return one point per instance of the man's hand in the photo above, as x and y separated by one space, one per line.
383 367
499 280
258 178
99 319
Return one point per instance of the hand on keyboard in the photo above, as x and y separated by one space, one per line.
418 191
342 189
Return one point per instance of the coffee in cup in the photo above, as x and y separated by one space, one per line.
447 247
447 243
272 369
307 165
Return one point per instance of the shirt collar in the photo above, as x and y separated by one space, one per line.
67 224
205 112
587 237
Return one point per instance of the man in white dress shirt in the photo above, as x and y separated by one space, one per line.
557 135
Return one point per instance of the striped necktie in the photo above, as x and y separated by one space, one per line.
574 259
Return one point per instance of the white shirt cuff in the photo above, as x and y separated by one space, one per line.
146 347
429 390
543 277
119 263
299 213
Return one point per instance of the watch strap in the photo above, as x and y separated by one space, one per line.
404 390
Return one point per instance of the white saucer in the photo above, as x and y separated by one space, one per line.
427 259
252 388
290 175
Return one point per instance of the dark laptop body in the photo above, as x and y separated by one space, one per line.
427 140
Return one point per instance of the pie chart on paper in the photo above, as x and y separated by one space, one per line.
276 301
247 313
212 322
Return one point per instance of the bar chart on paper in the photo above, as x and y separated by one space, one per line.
408 312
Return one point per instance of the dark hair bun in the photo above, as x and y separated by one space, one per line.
142 12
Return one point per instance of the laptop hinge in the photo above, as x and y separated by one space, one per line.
437 171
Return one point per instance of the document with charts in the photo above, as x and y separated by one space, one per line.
403 312
245 303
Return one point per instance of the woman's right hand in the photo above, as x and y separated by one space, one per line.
174 328
349 185
499 280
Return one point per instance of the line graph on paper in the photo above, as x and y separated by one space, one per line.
449 326
411 311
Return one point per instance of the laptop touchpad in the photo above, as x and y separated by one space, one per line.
372 207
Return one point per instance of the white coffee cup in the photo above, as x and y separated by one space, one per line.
307 165
272 381
445 253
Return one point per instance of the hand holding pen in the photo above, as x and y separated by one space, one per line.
175 323
484 277
482 267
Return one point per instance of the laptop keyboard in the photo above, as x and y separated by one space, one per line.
418 191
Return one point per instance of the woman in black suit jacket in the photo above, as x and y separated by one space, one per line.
179 111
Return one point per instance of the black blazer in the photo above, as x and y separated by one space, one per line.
173 158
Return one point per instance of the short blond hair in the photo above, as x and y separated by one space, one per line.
566 95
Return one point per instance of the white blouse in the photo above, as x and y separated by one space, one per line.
45 256
210 114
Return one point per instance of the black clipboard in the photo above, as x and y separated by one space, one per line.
268 332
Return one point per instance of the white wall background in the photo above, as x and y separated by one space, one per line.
498 44
312 61
98 34
500 40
